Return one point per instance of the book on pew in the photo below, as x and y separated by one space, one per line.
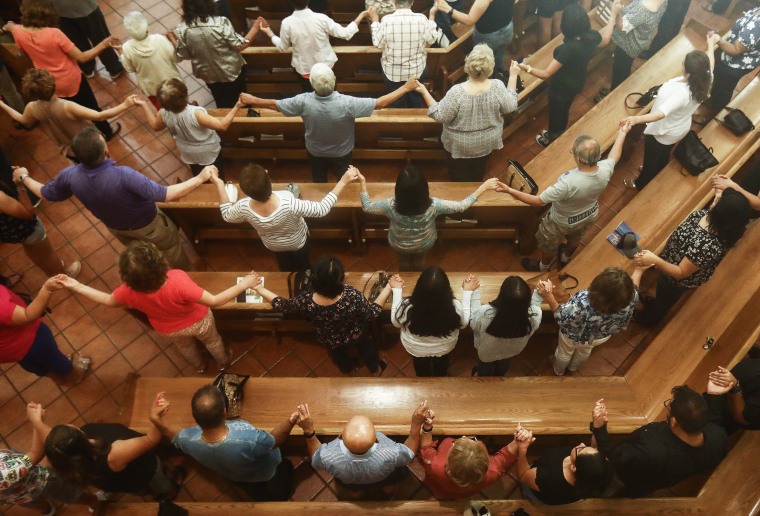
271 137
250 295
616 237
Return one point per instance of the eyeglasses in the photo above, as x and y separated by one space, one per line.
666 404
471 438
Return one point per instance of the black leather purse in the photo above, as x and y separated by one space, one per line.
737 122
693 155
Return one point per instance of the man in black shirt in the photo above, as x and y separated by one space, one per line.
736 395
660 455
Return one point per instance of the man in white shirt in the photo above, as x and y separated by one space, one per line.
308 33
403 37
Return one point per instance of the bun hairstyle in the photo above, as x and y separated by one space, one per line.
479 63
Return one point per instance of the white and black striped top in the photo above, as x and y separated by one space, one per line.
284 229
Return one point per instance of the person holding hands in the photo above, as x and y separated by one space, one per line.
735 394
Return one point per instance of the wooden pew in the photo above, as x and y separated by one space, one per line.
463 406
733 489
401 134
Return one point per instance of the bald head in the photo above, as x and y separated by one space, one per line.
586 149
359 435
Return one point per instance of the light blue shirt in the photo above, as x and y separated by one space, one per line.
245 455
373 466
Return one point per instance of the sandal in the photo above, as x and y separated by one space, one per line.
82 365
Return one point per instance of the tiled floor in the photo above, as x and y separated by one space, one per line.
118 345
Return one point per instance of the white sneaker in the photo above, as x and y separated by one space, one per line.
73 270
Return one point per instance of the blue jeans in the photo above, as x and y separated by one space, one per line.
498 41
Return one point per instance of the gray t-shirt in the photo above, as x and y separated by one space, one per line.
574 196
197 145
74 8
329 121
385 456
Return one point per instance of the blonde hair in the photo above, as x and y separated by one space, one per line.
468 462
480 62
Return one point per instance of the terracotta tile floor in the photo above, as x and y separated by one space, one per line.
119 345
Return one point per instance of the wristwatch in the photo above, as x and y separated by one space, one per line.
309 435
736 389
22 177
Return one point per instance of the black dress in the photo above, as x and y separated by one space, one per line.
136 477
550 478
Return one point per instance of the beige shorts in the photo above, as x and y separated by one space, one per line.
550 234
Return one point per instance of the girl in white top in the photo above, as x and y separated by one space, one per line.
193 129
670 118
503 326
278 216
308 33
431 318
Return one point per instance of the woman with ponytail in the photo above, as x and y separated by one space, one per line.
472 114
669 121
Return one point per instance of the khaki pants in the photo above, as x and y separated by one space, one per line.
571 355
162 233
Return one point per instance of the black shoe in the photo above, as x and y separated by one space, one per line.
560 251
531 264
115 129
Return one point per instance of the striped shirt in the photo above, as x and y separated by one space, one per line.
284 229
373 466
403 36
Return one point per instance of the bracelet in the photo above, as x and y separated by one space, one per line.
451 14
736 389
426 430
309 435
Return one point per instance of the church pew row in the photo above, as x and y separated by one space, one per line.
497 215
732 489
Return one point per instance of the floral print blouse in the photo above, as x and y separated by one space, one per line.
580 322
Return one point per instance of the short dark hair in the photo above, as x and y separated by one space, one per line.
255 182
575 22
328 277
143 267
412 196
38 84
197 10
38 13
172 95
208 407
611 291
689 408
593 474
89 147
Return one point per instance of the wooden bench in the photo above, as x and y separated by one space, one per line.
733 489
497 215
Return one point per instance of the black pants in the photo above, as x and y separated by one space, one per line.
411 99
197 169
720 6
294 261
278 489
656 157
559 111
669 26
85 97
320 165
724 83
367 352
621 67
304 82
495 368
655 310
226 94
431 366
444 22
468 169
86 33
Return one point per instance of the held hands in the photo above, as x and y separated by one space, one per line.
712 39
429 418
53 284
420 414
411 84
208 172
502 187
524 438
65 281
545 288
304 418
110 41
372 13
617 6
645 259
18 172
722 182
396 281
471 282
490 184
625 125
419 87
721 381
34 412
252 280
599 414
159 407
443 6
515 67
247 99
351 175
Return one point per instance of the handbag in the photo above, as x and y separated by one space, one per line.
737 122
232 386
519 179
301 281
693 155
644 98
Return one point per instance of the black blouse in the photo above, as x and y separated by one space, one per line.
550 478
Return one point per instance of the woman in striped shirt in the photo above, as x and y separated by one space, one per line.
278 216
412 213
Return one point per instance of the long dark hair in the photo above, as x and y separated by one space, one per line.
74 457
729 217
412 192
200 10
697 65
512 319
430 310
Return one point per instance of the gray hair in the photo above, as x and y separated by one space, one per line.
403 4
480 62
322 79
587 150
136 25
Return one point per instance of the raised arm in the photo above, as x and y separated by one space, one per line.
21 176
721 182
389 98
541 73
217 124
529 199
282 431
617 147
606 31
545 290
14 208
307 425
255 28
418 419
733 49
683 269
40 431
174 192
75 111
256 102
252 279
90 293
476 11
36 308
525 474
24 118
155 122
157 412
82 57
